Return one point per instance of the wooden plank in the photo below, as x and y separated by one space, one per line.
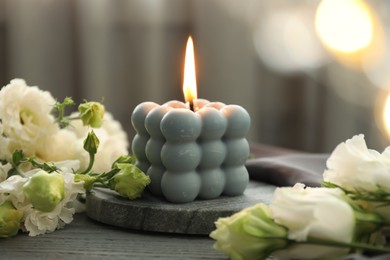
87 239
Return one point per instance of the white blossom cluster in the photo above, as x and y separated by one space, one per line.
37 222
27 123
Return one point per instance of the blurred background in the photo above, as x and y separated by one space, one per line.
310 73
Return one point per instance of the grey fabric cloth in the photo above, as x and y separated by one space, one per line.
286 170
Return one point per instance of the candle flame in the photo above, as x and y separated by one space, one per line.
189 83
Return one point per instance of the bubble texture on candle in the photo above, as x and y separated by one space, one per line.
237 178
212 183
181 125
213 154
138 117
238 121
156 169
155 173
175 104
200 103
154 147
138 146
237 150
180 155
214 123
191 154
180 187
153 119
217 105
141 138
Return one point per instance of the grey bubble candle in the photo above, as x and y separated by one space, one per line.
192 150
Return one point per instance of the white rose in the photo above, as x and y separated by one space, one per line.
113 142
111 147
37 222
4 168
319 213
11 189
63 145
353 166
25 115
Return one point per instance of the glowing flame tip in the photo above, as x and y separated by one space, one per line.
189 83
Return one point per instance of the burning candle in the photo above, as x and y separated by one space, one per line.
192 150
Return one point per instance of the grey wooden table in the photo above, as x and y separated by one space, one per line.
85 238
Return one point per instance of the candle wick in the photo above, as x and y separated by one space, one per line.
191 105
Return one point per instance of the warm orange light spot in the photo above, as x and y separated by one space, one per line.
386 115
189 83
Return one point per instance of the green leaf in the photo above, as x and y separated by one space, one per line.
17 157
59 109
329 184
68 101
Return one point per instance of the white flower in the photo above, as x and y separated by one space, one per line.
353 166
4 171
249 234
25 116
316 213
113 142
4 153
11 189
63 145
38 222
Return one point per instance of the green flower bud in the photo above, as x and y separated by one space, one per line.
68 101
10 219
92 113
88 180
45 190
249 234
129 181
91 143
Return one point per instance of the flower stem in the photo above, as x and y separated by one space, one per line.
21 173
74 118
91 161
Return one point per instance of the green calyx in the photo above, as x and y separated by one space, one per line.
87 179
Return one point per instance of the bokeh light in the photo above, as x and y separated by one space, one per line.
386 115
382 113
285 40
344 25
